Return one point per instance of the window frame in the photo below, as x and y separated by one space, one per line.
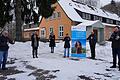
51 28
43 33
61 31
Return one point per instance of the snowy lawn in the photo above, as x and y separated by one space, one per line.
52 66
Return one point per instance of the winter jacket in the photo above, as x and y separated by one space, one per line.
4 43
92 40
115 38
67 42
33 41
52 41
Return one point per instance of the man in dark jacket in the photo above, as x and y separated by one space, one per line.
34 44
4 40
66 45
92 41
115 38
52 42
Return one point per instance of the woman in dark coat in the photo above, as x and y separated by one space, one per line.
34 44
92 41
66 45
52 42
78 47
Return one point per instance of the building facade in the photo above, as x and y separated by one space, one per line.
70 13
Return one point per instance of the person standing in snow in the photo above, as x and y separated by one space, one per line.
115 38
4 40
52 42
92 41
66 45
34 44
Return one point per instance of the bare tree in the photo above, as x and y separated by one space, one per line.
19 21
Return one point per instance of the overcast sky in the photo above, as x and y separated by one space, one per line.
104 2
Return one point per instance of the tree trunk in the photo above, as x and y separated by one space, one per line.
19 21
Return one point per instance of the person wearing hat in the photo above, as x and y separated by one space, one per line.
4 40
115 38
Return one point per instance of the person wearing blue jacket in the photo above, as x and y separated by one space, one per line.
92 41
4 40
66 40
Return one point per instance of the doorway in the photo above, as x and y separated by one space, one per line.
96 33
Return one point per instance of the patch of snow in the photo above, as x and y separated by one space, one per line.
30 29
69 7
69 69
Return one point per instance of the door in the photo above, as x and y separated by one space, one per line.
96 33
101 30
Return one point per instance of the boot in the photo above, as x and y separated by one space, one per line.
36 53
64 56
36 56
119 68
114 66
33 56
4 68
92 57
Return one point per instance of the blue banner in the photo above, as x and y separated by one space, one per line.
78 43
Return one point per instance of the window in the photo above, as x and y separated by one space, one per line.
104 20
88 17
110 21
59 14
51 29
43 33
83 15
92 17
107 20
114 21
117 22
96 17
61 31
54 15
100 18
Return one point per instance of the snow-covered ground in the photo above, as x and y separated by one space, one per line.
62 68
